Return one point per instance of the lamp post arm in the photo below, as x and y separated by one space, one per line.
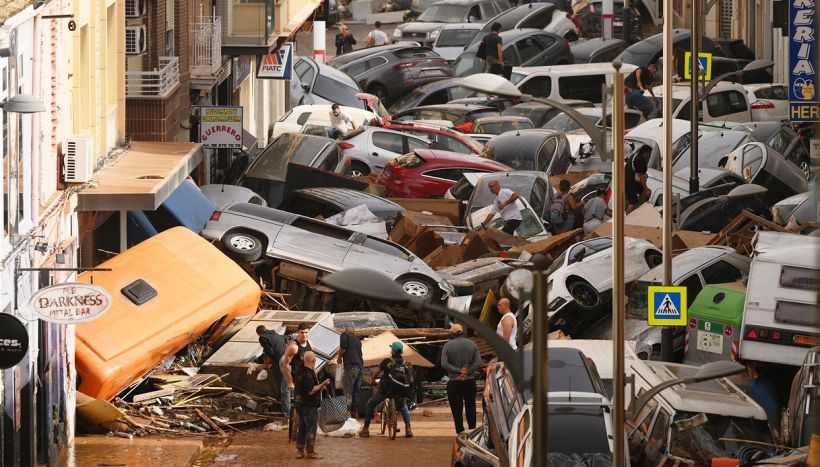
512 359
595 133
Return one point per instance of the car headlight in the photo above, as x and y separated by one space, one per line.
434 33
397 32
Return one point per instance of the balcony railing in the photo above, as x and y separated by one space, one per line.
206 46
157 83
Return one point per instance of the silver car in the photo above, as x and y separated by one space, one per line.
248 232
368 149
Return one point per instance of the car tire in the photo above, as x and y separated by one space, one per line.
584 294
653 258
359 169
421 287
381 92
242 246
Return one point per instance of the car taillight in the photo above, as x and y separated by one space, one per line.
762 105
403 65
215 215
465 127
345 145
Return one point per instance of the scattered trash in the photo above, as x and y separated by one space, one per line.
350 427
272 426
426 413
225 457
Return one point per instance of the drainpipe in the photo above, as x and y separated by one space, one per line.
36 177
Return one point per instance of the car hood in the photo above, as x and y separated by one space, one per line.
418 26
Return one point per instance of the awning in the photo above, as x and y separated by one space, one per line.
296 20
142 178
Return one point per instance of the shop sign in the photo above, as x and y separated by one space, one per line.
13 341
220 127
70 303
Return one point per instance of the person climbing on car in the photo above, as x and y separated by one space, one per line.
594 211
506 203
636 84
637 192
396 382
339 121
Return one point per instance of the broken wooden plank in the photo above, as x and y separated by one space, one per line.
210 422
147 396
405 332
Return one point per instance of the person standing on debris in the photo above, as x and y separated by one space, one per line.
273 349
350 353
339 122
460 358
594 211
573 209
507 325
396 382
637 192
506 202
344 40
293 360
638 82
307 402
377 37
492 50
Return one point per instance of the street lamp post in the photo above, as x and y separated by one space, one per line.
694 116
666 332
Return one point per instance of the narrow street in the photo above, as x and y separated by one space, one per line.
431 445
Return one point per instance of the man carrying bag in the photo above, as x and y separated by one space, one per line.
490 49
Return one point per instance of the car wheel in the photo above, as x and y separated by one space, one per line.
242 246
653 258
584 294
359 169
420 287
379 91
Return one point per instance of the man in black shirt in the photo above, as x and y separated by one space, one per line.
350 353
293 360
307 402
494 61
636 84
273 348
635 179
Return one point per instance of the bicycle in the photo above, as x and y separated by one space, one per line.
389 421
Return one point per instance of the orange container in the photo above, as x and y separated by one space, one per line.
197 286
725 462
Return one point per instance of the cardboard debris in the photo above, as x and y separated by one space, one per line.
376 349
473 246
409 223
553 246
96 411
682 240
451 209
739 233
646 215
424 242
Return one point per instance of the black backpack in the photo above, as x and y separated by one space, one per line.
482 50
399 379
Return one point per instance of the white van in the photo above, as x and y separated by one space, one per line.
317 115
582 81
725 102
780 319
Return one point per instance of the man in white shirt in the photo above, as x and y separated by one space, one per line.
339 122
377 37
506 202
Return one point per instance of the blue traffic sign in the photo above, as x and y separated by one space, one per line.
804 104
667 306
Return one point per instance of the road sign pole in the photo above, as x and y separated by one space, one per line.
619 282
668 14
695 102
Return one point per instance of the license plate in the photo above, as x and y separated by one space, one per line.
710 342
431 73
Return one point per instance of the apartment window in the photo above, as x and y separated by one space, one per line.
169 43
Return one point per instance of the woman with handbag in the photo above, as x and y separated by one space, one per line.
307 401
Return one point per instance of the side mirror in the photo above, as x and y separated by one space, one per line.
305 87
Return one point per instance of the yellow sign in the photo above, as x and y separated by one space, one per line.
705 63
667 306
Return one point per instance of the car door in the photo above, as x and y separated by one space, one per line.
728 105
313 243
384 146
372 253
530 51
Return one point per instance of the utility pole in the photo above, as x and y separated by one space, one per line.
619 282
666 332
696 104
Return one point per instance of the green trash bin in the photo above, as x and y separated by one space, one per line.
714 323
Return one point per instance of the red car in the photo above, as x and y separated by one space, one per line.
429 173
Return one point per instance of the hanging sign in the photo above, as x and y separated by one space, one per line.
220 127
804 104
13 341
277 64
70 303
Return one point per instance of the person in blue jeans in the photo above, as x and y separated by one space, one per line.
307 401
384 391
638 82
350 354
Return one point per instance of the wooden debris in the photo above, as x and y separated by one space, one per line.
210 422
739 233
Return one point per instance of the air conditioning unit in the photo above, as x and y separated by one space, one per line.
135 42
78 161
135 8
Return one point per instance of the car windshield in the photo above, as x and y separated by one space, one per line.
577 431
698 436
640 53
466 64
563 122
455 37
482 196
711 147
408 100
271 164
336 91
496 128
444 13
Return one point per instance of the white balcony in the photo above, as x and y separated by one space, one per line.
157 83
206 47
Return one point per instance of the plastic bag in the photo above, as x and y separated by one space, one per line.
349 428
353 216
262 375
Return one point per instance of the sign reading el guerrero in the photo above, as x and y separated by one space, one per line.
220 127
13 341
70 303
804 104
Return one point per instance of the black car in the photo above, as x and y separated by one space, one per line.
536 149
649 50
461 115
326 202
712 214
439 92
596 50
521 47
390 71
540 113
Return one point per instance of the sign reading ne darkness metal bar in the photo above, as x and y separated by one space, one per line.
804 105
13 341
70 303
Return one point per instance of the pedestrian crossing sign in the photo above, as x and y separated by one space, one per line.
667 306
